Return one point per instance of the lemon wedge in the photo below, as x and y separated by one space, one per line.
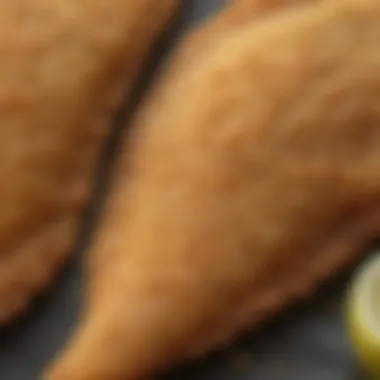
363 315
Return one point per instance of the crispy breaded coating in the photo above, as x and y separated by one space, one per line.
253 179
65 67
199 41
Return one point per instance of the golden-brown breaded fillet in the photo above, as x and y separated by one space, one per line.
65 67
235 15
198 41
255 178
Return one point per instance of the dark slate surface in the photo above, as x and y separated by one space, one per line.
306 344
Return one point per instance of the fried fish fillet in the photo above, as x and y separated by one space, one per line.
256 178
64 69
196 43
233 16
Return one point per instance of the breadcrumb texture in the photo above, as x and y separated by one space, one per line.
65 67
254 178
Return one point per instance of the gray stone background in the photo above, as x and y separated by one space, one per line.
308 343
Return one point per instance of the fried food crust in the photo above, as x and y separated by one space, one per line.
256 179
197 43
65 67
